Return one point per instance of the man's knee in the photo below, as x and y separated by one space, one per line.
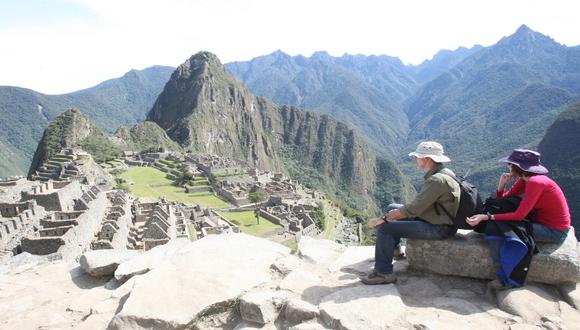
384 229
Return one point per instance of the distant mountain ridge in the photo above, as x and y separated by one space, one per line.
503 97
24 114
347 88
479 102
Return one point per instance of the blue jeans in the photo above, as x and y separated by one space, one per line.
389 235
548 235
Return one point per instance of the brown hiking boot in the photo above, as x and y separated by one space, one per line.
378 278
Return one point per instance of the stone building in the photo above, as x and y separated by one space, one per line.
116 223
54 195
153 224
71 164
17 220
67 233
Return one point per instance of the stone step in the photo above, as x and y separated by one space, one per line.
45 175
62 158
47 171
52 165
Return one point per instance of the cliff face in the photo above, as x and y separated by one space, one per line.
561 155
205 109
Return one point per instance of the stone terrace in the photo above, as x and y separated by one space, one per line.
67 233
153 224
116 223
18 220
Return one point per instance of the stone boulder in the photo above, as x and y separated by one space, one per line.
203 274
362 307
149 259
260 307
355 260
467 254
297 311
571 292
531 302
100 263
319 251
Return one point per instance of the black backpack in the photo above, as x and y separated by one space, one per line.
505 204
469 202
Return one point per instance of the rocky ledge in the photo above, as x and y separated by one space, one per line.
242 282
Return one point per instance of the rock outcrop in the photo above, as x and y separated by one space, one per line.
203 274
467 254
104 262
237 281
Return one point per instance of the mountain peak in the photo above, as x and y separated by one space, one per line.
524 37
202 61
321 54
524 29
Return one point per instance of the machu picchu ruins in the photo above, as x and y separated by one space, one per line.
71 204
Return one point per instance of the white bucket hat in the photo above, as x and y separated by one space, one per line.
432 150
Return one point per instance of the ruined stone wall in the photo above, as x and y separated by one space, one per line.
12 230
124 222
78 239
53 199
49 223
42 246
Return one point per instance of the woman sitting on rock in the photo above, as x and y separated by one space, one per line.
551 217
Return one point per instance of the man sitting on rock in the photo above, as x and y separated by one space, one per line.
419 218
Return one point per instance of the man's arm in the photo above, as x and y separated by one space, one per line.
430 192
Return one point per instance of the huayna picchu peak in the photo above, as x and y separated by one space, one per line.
205 109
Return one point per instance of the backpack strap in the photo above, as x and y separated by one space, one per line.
449 173
437 204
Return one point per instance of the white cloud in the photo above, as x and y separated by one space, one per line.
125 34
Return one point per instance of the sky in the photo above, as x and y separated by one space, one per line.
60 46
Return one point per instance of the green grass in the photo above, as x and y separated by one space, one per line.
192 232
332 216
246 221
150 183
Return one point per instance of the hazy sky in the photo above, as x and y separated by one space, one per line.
58 46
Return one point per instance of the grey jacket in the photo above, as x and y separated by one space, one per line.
439 188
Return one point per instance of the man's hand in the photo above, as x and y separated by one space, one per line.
375 222
395 214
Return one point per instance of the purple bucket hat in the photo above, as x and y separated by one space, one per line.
527 160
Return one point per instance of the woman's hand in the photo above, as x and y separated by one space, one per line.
476 219
503 180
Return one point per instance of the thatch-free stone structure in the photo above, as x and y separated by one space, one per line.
467 254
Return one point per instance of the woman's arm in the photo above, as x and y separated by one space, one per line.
532 193
516 190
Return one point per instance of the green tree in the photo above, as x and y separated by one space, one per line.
318 216
257 198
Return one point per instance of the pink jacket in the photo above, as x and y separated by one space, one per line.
544 196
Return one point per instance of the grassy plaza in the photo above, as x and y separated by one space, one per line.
246 221
150 183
